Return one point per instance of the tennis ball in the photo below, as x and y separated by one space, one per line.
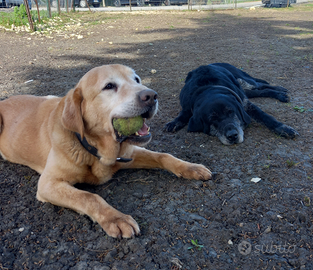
128 126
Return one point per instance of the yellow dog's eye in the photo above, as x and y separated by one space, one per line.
137 79
109 86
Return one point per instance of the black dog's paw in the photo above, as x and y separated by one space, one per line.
174 126
281 89
169 127
283 97
286 132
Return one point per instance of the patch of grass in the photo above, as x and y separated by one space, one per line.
196 245
306 33
18 18
308 57
291 163
301 109
307 201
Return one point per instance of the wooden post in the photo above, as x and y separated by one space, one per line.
87 5
73 5
189 5
58 6
29 16
49 8
37 10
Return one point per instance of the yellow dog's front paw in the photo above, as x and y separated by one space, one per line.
120 226
194 171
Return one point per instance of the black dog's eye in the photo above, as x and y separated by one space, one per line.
137 79
109 86
228 111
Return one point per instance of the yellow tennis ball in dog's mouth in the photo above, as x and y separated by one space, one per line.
128 126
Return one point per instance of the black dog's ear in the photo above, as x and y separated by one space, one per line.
195 124
244 116
188 76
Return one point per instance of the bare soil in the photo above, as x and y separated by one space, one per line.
237 224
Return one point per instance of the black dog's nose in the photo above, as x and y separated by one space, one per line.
148 97
232 135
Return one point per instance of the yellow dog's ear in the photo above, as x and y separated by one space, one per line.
72 117
1 123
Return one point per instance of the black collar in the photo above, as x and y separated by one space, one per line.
94 151
233 93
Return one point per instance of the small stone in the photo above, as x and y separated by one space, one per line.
268 229
256 179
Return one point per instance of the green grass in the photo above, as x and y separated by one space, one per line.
196 245
19 17
301 109
307 201
10 20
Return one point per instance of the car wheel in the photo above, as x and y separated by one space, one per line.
167 2
117 3
82 3
140 3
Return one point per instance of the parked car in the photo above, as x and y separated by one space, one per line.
11 3
156 2
184 2
82 3
278 3
139 3
78 3
175 2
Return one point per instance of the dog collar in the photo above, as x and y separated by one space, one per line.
94 151
233 93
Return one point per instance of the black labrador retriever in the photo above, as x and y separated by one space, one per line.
215 101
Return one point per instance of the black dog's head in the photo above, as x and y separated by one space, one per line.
221 115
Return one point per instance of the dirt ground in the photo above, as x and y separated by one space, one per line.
228 222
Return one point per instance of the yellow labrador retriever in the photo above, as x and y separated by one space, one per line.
71 140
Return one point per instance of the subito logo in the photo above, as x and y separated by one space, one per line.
244 247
